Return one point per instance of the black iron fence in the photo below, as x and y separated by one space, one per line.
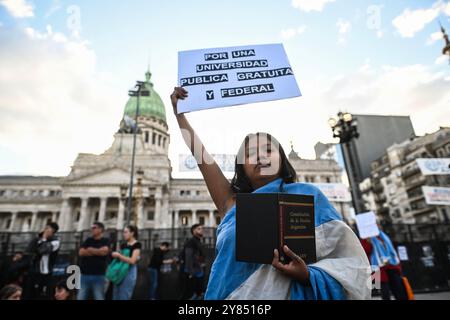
424 251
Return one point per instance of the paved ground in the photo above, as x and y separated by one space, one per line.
428 296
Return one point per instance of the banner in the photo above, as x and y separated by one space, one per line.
231 76
436 195
367 225
434 166
335 192
187 162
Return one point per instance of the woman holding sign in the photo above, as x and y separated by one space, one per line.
342 270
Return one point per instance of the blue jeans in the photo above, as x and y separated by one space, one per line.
153 282
94 284
124 291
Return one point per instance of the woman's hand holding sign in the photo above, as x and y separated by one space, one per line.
296 269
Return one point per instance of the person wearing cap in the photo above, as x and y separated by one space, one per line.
93 263
41 252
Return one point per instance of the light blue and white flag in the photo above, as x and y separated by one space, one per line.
341 272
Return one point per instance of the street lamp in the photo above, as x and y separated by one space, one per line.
446 49
141 90
345 128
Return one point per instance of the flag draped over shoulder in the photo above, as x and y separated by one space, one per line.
342 270
383 252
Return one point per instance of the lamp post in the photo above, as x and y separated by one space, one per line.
140 91
345 128
446 49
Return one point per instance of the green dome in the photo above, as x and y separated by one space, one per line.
149 106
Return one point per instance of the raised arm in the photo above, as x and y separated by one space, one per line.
218 185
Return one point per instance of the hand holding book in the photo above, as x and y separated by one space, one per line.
296 269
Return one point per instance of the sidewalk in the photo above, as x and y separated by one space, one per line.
427 296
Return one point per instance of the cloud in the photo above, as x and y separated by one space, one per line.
344 27
287 34
441 60
409 22
310 5
54 102
435 36
416 90
18 8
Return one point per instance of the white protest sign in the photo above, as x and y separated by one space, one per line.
436 195
231 76
402 253
367 225
434 166
187 162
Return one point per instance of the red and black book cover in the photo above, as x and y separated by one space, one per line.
265 221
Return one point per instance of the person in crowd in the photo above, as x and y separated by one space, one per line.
124 290
11 292
94 254
193 262
42 252
62 291
342 270
384 259
16 269
156 262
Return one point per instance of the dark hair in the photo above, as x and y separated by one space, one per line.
62 285
165 243
99 224
8 290
134 230
54 226
241 183
195 226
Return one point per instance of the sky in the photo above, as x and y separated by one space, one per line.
66 68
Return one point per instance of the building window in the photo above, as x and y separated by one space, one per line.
78 216
146 136
181 192
197 192
184 220
154 138
201 220
217 220
328 179
159 140
97 215
150 215
8 224
164 142
188 192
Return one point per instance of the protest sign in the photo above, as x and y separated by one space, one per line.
230 76
434 166
436 195
367 225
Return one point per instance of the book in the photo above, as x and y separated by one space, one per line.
268 221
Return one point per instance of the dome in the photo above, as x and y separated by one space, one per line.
149 106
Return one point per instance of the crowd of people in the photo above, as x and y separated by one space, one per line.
28 275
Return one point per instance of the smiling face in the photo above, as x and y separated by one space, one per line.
262 161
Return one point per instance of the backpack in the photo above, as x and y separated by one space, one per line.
117 269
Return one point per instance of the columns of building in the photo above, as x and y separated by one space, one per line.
158 199
13 221
211 218
82 224
65 216
102 211
176 219
33 220
140 214
120 214
194 217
